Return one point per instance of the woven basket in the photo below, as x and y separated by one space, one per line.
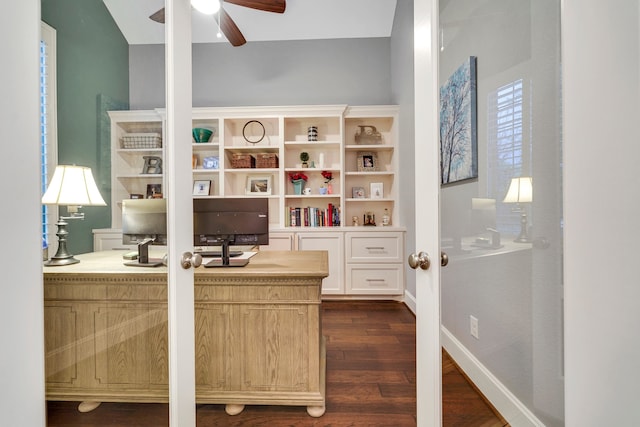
141 140
242 161
266 160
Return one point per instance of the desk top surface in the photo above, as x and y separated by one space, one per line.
264 263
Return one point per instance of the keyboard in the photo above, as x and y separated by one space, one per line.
218 254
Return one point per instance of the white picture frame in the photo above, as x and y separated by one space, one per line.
201 187
377 190
358 193
258 185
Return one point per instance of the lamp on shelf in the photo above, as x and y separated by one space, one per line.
73 187
521 191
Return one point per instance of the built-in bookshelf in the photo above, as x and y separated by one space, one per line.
350 180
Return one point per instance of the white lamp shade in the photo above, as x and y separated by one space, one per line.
73 186
520 190
208 7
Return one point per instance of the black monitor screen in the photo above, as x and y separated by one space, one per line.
144 219
234 221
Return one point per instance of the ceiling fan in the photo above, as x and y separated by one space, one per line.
227 26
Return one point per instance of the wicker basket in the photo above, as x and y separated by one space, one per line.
266 160
242 161
141 140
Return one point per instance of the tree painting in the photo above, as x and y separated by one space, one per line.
458 134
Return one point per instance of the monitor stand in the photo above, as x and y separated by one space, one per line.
225 260
143 256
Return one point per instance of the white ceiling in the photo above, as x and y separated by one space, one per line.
302 20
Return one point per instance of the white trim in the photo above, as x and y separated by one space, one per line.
410 301
507 404
48 35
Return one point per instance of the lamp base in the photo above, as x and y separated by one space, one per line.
523 237
62 256
57 261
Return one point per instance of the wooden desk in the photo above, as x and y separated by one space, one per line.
257 331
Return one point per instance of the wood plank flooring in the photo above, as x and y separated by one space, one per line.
371 379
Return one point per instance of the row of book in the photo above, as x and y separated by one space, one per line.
314 217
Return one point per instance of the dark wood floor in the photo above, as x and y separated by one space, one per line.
371 380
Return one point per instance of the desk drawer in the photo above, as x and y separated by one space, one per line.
374 247
373 279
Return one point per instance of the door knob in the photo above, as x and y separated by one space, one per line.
188 259
444 259
420 260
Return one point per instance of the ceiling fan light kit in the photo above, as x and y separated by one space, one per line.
208 7
225 23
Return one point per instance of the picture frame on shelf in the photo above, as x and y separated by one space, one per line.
258 185
154 191
377 190
358 193
201 187
367 161
211 162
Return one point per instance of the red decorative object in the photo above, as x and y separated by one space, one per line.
328 176
295 176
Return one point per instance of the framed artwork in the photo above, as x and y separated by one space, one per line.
154 191
367 161
259 185
458 125
201 188
377 190
358 192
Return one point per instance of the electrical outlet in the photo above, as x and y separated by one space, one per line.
473 327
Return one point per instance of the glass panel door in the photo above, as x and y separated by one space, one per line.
501 205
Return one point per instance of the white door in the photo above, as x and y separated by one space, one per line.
428 355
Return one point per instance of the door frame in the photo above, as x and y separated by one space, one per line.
178 180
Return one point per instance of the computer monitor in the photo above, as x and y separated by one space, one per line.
230 221
483 215
144 223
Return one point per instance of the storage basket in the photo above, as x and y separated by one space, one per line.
242 161
141 140
266 160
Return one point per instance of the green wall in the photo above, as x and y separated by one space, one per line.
92 66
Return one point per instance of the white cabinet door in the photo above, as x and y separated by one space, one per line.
333 243
279 242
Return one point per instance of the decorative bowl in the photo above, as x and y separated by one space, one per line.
202 134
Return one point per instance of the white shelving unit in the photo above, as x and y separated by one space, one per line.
266 133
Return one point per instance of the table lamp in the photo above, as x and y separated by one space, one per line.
73 187
521 191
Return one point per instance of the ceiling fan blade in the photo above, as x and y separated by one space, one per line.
277 6
158 16
230 29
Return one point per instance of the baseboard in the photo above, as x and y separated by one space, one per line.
410 301
514 411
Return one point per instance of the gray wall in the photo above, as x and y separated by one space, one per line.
402 94
353 71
